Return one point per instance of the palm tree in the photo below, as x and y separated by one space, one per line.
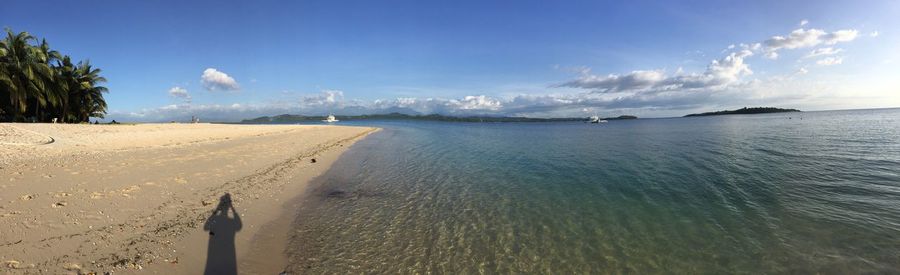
35 75
5 80
67 85
50 90
89 94
25 70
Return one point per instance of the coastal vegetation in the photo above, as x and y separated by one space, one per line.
746 111
287 118
39 84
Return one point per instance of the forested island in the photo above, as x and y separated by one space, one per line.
39 84
287 118
746 111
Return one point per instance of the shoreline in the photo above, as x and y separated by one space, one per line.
133 199
267 250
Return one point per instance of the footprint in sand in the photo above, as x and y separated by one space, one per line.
72 267
61 194
180 180
27 197
96 195
59 204
12 264
10 214
126 192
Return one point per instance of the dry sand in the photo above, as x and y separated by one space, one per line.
134 198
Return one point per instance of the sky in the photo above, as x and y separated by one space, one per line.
232 60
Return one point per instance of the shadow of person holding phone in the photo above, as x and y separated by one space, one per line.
221 257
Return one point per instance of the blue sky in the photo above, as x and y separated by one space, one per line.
524 58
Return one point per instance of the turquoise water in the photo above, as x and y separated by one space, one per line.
725 194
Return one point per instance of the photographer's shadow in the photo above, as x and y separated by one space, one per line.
221 257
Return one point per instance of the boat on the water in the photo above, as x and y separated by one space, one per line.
330 119
596 119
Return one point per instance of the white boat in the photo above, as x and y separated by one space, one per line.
330 119
596 119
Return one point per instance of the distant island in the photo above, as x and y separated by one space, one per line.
746 111
619 117
287 118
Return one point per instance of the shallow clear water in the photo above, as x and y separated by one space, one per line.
724 194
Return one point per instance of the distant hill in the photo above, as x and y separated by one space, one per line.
746 111
286 118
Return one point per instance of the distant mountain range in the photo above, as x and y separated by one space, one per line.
287 118
746 111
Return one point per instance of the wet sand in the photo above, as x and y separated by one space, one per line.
143 198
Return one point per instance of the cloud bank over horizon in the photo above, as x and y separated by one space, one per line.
726 81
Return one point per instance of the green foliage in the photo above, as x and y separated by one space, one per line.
39 84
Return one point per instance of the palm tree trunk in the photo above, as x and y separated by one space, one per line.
37 110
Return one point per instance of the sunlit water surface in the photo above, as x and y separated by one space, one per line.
725 194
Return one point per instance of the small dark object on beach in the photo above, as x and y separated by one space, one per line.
337 194
312 160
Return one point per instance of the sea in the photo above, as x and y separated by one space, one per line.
810 192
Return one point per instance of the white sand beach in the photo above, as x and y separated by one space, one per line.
127 198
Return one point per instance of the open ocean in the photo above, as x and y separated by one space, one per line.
722 194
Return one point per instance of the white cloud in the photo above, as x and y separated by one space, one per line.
799 38
325 98
327 101
179 92
823 51
873 34
468 105
480 102
664 102
724 81
804 22
718 73
802 38
614 83
828 61
840 36
729 68
213 79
